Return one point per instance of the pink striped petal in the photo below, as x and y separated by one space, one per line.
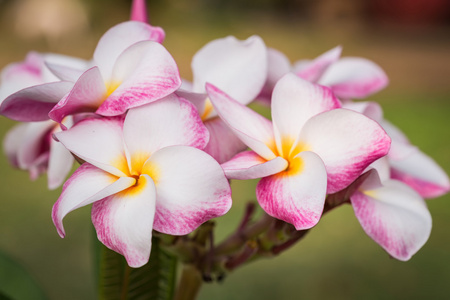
395 217
250 127
86 95
87 185
145 72
421 173
295 101
169 121
119 38
249 165
313 70
191 188
296 197
223 143
347 142
124 222
33 104
237 67
99 142
354 78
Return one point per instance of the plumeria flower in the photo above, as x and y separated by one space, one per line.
311 148
391 213
407 162
348 77
30 146
142 173
237 67
129 65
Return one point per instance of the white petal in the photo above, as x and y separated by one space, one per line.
237 67
296 196
395 217
250 127
347 142
116 40
191 188
354 77
294 101
99 142
249 165
169 121
87 185
124 222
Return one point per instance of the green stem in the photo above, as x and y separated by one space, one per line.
189 284
126 281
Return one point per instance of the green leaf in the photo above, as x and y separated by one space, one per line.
16 282
155 280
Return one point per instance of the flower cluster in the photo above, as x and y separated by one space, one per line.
157 152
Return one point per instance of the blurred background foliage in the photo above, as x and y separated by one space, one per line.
409 39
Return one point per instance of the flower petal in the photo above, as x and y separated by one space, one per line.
223 143
421 173
64 67
60 162
34 143
368 108
250 127
354 77
124 222
169 121
249 165
296 197
33 104
144 72
395 217
278 65
191 188
12 142
99 142
237 67
86 95
314 69
347 142
87 185
294 101
119 38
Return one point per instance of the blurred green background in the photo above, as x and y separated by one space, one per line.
409 39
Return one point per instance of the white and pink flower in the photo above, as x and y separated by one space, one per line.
143 172
312 147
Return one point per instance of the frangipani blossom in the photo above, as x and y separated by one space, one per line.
238 68
407 163
348 77
312 148
143 173
30 146
391 213
131 68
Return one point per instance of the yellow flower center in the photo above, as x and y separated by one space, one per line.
138 166
289 151
207 110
